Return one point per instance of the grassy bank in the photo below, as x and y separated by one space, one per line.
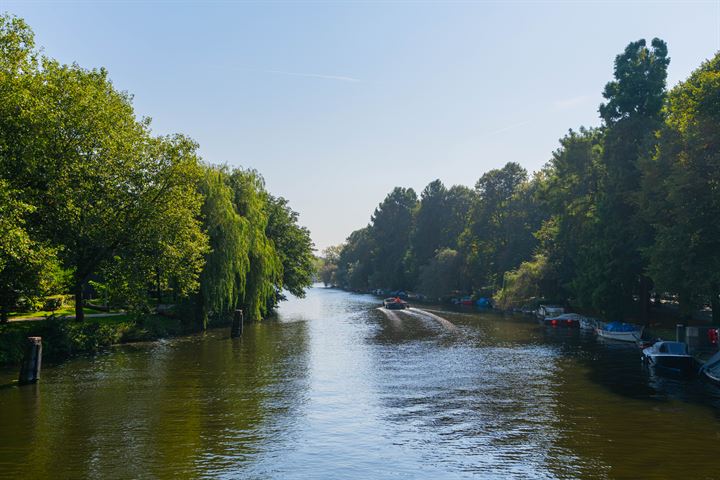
64 338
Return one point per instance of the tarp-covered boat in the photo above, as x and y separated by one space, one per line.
625 332
672 356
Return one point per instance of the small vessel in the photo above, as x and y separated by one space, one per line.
468 301
547 311
711 369
671 356
588 323
624 332
395 303
565 320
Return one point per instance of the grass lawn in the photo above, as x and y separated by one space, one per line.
67 310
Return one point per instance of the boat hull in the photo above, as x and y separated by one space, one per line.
633 336
557 322
396 306
674 363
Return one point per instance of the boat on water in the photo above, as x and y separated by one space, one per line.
549 311
624 332
395 303
711 369
670 356
571 320
589 323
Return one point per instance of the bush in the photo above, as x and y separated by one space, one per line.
54 302
28 304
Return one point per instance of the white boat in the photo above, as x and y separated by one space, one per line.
711 369
589 323
672 356
624 332
547 311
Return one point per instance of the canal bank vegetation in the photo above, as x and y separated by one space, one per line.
94 205
622 217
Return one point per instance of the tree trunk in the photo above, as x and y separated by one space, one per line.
645 300
157 286
79 312
4 314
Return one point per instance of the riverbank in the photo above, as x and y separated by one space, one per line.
63 338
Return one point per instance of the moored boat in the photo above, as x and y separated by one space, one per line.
395 303
565 320
624 332
670 356
549 311
588 323
711 369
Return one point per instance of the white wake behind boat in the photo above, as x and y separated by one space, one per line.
624 332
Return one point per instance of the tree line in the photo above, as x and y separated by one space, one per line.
619 213
89 196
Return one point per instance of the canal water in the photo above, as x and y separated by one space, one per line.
335 388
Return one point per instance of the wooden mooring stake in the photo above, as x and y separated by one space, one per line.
237 325
31 362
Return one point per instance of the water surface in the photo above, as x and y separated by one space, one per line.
335 388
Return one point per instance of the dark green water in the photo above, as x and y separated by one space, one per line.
334 388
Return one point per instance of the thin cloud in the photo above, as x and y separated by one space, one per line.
506 128
568 103
340 78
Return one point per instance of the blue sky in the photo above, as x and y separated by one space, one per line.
335 103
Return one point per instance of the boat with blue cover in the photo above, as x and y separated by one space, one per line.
624 332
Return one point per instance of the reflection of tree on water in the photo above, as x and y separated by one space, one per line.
167 409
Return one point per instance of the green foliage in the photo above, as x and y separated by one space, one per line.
391 226
88 194
501 222
440 275
27 267
682 192
293 244
531 280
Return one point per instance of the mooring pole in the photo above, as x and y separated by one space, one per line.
679 332
31 362
237 325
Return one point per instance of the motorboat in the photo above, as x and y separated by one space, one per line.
589 323
565 320
395 303
549 311
672 356
624 332
711 369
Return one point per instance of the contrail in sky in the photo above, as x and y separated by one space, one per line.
341 78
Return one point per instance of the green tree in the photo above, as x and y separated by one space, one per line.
391 225
429 226
101 183
266 267
682 192
355 262
633 112
568 191
294 246
501 222
442 274
27 267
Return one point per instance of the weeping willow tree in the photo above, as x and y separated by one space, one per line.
243 268
223 279
265 274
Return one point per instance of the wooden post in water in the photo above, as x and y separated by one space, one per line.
679 332
237 325
31 362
